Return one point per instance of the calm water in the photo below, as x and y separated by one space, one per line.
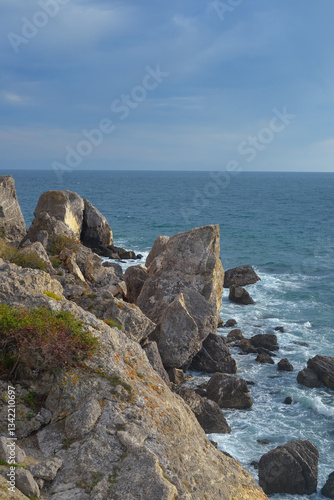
282 224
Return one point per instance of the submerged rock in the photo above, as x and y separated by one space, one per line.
328 489
285 365
240 276
12 225
291 468
266 340
240 295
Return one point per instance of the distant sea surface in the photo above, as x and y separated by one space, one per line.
280 223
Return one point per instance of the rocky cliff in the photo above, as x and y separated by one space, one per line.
111 428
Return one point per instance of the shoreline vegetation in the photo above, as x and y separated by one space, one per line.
98 361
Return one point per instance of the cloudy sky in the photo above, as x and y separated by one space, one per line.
179 84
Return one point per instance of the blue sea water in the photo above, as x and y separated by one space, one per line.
280 223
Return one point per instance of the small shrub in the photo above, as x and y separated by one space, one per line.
52 295
55 262
59 242
30 260
2 232
45 338
113 324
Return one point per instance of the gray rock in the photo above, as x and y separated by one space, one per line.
26 483
38 249
153 355
135 277
12 225
266 340
207 412
215 356
308 378
184 296
159 246
9 450
323 366
81 422
96 232
230 323
58 213
43 237
291 468
228 391
176 376
285 365
240 276
46 470
264 358
234 335
328 489
183 326
239 295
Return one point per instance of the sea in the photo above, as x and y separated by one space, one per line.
280 223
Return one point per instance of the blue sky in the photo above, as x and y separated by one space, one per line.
187 84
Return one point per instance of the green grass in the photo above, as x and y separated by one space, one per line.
113 324
46 339
52 295
30 260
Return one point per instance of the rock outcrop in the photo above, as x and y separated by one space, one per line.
58 213
215 356
228 391
240 276
184 296
265 340
291 468
95 230
135 277
319 371
239 295
284 365
12 225
115 427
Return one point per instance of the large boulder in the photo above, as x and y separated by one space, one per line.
12 225
308 378
239 295
184 296
240 276
228 391
291 468
214 356
323 366
58 213
96 232
207 412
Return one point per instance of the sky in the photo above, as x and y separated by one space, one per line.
173 85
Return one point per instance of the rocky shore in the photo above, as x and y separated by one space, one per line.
120 421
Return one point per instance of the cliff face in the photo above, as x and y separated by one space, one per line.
118 419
